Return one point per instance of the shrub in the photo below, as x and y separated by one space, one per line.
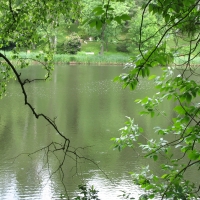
60 48
122 47
72 44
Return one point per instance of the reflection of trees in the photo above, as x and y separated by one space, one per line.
87 109
6 138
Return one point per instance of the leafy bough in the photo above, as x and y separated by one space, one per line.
53 148
176 149
178 144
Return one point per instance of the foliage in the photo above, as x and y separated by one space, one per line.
126 195
96 14
87 193
176 146
28 24
129 134
72 44
82 58
106 20
122 47
150 31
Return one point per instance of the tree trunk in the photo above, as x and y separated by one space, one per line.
102 39
55 42
106 45
101 48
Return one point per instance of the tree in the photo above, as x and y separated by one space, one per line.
150 28
108 19
176 51
22 23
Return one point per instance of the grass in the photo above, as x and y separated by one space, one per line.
94 46
185 48
92 59
111 57
80 58
183 60
90 47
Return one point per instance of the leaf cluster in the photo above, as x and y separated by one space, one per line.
177 144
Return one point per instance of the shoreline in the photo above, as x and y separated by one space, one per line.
94 63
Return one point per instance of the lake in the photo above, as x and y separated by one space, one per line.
89 108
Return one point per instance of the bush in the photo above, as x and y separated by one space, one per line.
73 44
122 47
60 48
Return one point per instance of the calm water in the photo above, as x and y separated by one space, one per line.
89 109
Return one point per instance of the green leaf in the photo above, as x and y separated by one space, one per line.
125 17
194 93
150 7
152 77
138 100
99 24
155 157
92 23
144 113
148 187
185 119
193 155
188 97
167 18
118 19
164 176
147 71
98 8
152 114
185 148
141 130
151 196
180 110
99 12
143 72
145 100
117 78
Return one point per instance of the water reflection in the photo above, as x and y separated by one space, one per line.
89 109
